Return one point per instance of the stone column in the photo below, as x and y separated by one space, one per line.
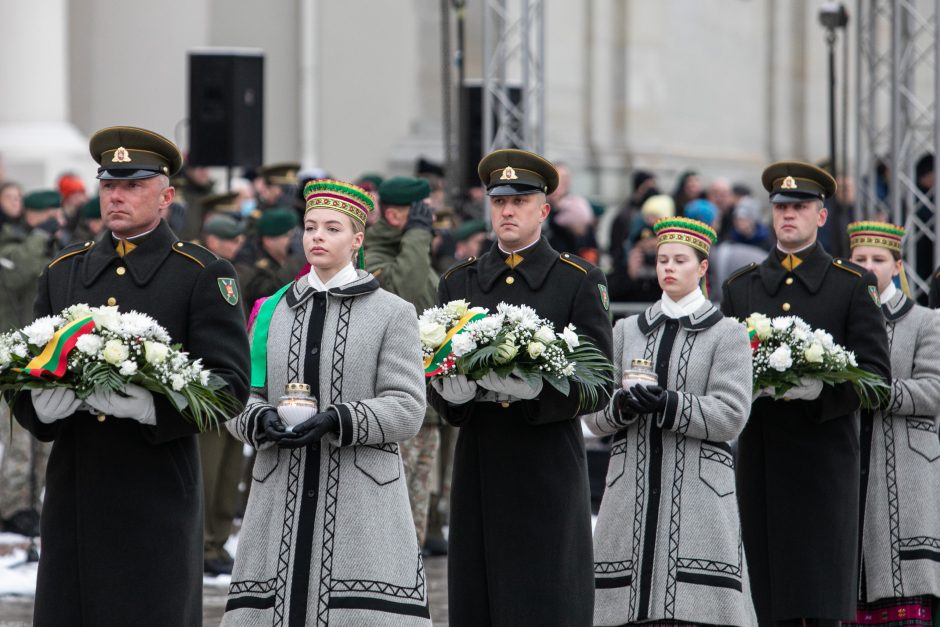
37 141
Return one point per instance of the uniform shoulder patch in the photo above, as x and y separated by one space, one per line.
195 253
742 271
463 264
575 261
848 266
72 250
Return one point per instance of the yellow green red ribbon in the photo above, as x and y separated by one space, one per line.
53 359
432 364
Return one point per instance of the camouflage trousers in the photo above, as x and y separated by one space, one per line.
419 455
23 455
222 457
439 516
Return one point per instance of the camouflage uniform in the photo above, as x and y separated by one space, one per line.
419 455
23 256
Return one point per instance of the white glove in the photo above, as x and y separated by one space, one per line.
511 386
807 390
767 391
137 404
54 404
456 390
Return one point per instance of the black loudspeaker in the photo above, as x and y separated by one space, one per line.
226 106
471 128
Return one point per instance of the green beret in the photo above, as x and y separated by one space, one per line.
795 181
223 227
128 152
278 221
468 229
403 190
42 199
91 210
511 172
371 178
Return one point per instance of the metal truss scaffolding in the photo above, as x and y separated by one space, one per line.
897 81
513 57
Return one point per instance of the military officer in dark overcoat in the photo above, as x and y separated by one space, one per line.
934 295
520 549
122 518
798 464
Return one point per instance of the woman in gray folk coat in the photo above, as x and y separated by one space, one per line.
900 495
328 537
667 547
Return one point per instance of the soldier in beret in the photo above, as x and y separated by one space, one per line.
25 249
89 224
798 458
274 265
398 254
276 185
122 516
520 529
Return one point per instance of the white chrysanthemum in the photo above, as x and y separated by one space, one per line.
89 344
177 382
40 331
782 323
20 350
128 368
851 358
781 359
801 334
136 324
204 377
824 338
462 344
569 369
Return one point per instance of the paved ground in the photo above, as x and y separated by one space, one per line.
17 611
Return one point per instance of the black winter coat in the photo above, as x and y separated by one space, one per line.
798 461
122 518
520 533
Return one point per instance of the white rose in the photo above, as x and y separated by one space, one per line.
462 344
114 352
545 335
505 353
459 307
763 328
432 334
535 349
107 317
155 353
780 359
177 382
128 368
570 337
814 354
78 311
89 344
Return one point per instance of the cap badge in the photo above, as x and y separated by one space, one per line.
121 156
788 183
508 174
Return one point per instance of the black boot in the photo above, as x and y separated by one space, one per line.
24 522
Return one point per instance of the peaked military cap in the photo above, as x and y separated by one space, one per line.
226 202
403 190
795 181
511 172
223 227
42 199
128 152
280 173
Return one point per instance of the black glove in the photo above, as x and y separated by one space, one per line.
50 226
650 399
622 413
270 427
311 430
420 217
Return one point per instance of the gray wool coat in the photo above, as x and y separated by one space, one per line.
901 474
667 545
328 536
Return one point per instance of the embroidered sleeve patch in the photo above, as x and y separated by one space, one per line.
229 289
605 297
873 292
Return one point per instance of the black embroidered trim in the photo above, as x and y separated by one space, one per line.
891 480
303 543
601 583
251 587
920 554
379 605
710 566
715 581
255 603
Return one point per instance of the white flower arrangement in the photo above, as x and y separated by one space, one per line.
111 350
458 339
786 349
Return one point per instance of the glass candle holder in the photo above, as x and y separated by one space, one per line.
641 371
297 405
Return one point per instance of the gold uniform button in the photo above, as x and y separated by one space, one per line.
786 306
789 280
505 404
87 244
101 417
179 244
510 280
112 301
121 270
